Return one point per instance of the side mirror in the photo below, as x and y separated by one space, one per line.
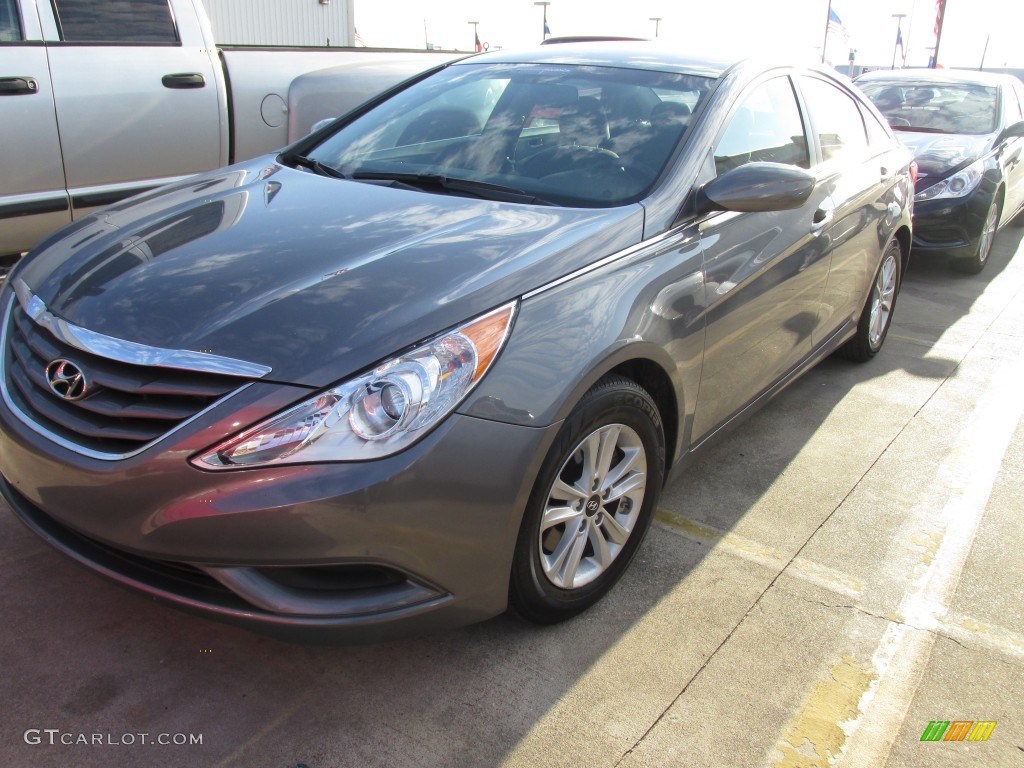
1011 131
756 187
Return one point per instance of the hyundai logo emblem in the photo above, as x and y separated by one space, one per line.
66 379
592 505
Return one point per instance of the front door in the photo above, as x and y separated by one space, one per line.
764 271
33 200
137 96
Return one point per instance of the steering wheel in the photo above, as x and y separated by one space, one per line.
559 159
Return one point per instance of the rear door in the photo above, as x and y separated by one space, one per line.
33 200
137 96
765 271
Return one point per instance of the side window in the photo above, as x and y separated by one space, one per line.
836 118
125 22
877 133
10 24
765 127
1015 103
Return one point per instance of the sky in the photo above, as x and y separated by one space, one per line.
790 28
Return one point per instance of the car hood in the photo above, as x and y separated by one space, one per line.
940 155
314 277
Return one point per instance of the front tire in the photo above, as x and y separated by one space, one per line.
976 262
876 316
591 505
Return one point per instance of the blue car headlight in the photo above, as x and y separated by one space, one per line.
960 184
378 413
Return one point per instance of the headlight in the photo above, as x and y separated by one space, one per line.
379 413
958 185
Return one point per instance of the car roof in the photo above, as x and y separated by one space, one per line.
950 76
630 54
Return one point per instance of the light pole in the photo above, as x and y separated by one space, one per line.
899 38
544 4
476 37
656 20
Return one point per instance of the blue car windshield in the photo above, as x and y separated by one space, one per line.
935 107
569 135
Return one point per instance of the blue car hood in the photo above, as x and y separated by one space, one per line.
315 277
940 155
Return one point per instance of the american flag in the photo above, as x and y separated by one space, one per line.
835 24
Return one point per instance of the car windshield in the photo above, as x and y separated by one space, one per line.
568 135
935 107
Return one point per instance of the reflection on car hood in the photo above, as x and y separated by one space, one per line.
314 277
940 154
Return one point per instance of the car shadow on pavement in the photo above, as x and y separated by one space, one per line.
85 658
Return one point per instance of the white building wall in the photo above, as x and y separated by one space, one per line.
282 22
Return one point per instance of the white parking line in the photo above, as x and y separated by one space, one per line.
899 662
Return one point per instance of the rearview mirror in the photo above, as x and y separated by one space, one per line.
756 187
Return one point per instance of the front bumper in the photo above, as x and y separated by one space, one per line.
951 227
353 552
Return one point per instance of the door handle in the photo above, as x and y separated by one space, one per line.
16 86
184 80
822 218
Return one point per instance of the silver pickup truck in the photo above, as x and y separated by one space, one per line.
102 99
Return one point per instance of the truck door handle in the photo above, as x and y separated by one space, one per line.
184 80
15 86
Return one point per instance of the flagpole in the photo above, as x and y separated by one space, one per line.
910 29
941 6
824 44
899 36
544 4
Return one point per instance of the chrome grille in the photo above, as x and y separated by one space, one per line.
126 406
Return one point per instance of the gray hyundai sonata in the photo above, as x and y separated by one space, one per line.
438 358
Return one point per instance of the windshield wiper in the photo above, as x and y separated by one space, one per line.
314 165
917 129
482 189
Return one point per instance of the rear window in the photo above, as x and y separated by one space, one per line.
118 22
935 107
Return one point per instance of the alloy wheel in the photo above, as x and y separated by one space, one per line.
592 506
882 297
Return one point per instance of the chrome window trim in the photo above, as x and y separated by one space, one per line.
63 442
130 352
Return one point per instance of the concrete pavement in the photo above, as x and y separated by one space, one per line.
840 572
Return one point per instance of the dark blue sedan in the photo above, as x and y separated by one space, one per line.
965 130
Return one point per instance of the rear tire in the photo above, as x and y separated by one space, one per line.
591 505
876 316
